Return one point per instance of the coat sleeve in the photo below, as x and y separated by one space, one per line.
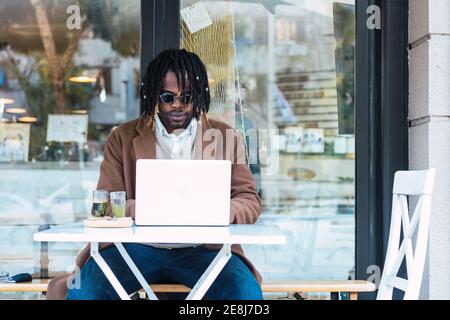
245 204
112 172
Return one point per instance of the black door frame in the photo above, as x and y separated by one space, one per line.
159 28
381 112
381 127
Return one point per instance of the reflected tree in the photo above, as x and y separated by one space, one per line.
56 63
37 50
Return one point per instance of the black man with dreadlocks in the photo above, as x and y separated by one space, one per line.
175 97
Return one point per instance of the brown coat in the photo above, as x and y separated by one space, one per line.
136 140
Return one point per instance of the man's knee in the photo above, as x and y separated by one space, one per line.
248 289
236 282
237 288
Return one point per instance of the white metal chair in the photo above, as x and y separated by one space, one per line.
413 246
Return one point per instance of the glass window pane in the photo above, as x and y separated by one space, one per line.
69 73
283 73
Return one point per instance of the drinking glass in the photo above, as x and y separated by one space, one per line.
100 201
118 203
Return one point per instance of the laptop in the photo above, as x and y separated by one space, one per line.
183 193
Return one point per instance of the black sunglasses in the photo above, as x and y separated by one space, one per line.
167 97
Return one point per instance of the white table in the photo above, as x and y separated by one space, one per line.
234 234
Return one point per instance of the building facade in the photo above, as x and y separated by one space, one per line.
333 97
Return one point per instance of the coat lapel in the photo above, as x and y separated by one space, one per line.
145 142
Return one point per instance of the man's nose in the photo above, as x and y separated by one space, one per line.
177 103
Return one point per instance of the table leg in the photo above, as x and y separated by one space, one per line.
151 295
211 273
108 272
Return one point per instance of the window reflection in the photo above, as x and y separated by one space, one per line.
69 73
290 72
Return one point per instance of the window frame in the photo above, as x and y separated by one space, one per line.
381 127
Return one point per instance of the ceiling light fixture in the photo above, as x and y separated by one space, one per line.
6 101
28 119
16 110
85 77
79 111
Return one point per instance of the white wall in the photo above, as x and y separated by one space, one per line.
429 115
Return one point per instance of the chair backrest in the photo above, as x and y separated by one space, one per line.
407 183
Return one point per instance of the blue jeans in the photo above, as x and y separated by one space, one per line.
181 266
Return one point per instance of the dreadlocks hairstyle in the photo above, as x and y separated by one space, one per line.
188 68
